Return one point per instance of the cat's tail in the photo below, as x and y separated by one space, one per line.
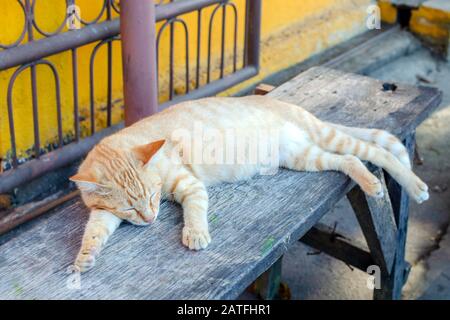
381 138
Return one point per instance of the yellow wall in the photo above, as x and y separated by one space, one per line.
431 20
388 11
49 15
292 31
432 23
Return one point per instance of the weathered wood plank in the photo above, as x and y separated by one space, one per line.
323 238
354 100
252 222
15 217
392 284
251 228
376 218
263 89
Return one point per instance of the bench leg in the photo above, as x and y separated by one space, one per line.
384 225
391 285
418 159
267 286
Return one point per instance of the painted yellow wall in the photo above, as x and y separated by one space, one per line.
432 23
388 11
49 15
292 31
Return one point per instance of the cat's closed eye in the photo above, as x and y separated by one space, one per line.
154 198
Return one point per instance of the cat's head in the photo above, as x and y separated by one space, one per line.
122 182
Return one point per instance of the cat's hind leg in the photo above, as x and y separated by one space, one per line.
309 157
337 141
381 138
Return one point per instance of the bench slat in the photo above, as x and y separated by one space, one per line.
355 100
252 223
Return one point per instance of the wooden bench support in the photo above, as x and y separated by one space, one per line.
384 225
376 218
418 159
392 284
263 89
268 284
323 238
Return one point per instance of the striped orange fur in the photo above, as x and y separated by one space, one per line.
126 174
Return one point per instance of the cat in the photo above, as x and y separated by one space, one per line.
126 175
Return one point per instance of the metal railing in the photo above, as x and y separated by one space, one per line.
34 53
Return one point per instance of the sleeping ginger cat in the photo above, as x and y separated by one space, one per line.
125 176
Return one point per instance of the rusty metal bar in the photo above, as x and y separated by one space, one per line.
9 102
199 37
34 102
178 8
253 33
76 115
171 59
109 78
222 42
58 100
92 81
233 6
186 33
214 87
62 42
12 131
139 59
109 86
211 20
171 24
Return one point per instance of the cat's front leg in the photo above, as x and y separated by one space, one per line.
193 197
100 226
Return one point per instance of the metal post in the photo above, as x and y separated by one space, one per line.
137 27
253 33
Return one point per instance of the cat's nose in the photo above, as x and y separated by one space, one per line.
148 219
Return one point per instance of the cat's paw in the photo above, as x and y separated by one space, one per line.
85 261
195 238
373 187
418 190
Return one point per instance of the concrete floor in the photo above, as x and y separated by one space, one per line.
317 276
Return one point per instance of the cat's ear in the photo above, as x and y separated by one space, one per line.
85 181
144 153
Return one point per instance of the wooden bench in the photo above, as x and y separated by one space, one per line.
252 223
